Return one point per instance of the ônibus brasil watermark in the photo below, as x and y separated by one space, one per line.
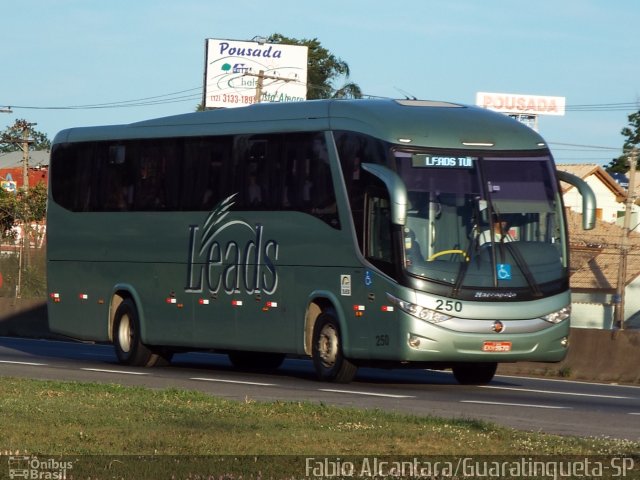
34 468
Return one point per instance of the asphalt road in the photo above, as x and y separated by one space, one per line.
552 406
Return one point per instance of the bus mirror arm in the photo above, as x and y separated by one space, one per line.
588 198
397 191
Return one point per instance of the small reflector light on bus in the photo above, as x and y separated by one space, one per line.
269 305
387 308
83 296
236 303
203 301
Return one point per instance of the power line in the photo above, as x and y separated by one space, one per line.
178 96
599 107
591 147
154 100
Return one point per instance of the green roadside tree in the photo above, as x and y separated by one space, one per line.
11 138
324 70
24 206
632 134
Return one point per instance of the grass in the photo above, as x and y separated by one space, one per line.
72 419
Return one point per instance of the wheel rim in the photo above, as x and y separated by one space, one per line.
328 345
125 334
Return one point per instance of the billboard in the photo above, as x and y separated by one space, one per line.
239 73
511 103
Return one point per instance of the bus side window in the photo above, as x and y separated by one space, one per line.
378 230
202 172
73 173
255 173
322 195
114 179
147 190
355 149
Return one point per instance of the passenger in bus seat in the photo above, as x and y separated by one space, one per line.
412 248
254 191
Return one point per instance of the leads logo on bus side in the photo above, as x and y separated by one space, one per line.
232 266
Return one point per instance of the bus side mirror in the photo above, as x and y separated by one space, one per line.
588 198
397 191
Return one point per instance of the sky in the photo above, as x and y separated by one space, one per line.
70 53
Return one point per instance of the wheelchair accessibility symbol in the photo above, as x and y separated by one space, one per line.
504 271
368 280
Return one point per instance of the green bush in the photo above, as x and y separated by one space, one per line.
33 278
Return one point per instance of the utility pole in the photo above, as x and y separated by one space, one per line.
259 87
25 154
260 83
624 243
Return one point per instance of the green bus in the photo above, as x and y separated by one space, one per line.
353 232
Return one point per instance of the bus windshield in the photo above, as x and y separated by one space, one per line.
475 222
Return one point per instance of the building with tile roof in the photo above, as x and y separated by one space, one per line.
609 194
11 171
596 254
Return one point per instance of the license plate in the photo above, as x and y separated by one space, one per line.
496 347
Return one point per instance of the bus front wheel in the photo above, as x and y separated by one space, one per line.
328 359
126 337
474 373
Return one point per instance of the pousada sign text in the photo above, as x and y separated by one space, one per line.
512 103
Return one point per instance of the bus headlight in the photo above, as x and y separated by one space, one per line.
417 311
560 315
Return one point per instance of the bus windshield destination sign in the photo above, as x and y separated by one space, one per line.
435 161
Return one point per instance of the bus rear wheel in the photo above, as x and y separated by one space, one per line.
126 338
328 359
474 373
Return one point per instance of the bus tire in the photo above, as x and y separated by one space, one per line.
126 337
329 362
474 373
258 361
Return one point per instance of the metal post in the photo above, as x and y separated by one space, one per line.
624 243
25 156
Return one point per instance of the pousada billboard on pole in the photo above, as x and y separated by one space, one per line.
239 73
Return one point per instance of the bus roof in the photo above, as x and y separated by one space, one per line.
412 122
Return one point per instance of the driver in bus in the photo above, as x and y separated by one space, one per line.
499 234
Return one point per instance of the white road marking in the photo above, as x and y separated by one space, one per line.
239 382
93 355
23 363
104 370
513 404
554 392
372 394
562 380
